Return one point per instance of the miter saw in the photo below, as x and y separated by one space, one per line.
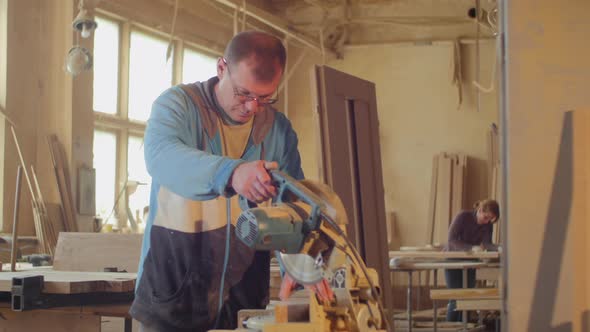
305 226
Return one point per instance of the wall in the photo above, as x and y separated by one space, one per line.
40 97
3 53
418 118
547 73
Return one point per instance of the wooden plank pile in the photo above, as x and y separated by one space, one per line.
447 194
43 223
494 171
64 184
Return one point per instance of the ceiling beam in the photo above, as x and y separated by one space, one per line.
273 22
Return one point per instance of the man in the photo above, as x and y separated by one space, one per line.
204 143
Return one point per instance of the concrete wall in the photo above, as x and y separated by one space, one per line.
418 116
547 73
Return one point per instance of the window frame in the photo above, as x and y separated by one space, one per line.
119 122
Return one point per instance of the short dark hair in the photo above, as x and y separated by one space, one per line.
267 50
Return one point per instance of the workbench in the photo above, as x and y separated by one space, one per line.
59 300
417 261
74 293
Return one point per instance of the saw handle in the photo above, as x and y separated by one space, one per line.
290 190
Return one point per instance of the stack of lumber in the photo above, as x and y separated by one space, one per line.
494 170
493 160
470 298
46 234
62 175
447 194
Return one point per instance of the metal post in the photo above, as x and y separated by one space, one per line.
128 324
419 294
13 252
435 320
464 313
409 301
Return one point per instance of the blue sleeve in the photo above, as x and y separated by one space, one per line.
171 153
290 160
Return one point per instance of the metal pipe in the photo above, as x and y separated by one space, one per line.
462 41
19 176
477 64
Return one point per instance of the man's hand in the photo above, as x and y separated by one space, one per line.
253 181
477 248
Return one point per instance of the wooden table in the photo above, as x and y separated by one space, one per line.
411 261
78 258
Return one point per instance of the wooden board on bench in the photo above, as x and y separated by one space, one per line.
464 293
495 304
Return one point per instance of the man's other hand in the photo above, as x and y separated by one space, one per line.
253 181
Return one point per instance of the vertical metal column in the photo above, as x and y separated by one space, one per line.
435 318
409 301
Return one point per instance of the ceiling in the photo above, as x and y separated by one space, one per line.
353 22
337 22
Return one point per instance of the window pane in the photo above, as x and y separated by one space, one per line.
149 74
197 66
104 161
137 175
106 66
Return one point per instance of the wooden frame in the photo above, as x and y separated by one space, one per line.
86 195
351 159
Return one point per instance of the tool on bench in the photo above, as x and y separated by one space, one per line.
304 226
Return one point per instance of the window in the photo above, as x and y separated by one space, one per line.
106 66
105 163
197 66
138 180
124 91
149 75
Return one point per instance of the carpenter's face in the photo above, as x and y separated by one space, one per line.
240 95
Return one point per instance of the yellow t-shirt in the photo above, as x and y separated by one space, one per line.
233 143
234 138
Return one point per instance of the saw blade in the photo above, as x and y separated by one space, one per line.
303 268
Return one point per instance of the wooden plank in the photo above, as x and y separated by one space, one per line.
459 176
109 310
479 305
443 196
292 310
446 329
62 282
92 252
490 273
456 326
491 255
420 315
580 214
62 175
467 293
47 321
413 265
432 203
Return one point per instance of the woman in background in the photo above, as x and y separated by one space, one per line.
471 230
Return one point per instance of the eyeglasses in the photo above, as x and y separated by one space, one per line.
243 97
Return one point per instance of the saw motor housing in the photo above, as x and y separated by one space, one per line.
305 226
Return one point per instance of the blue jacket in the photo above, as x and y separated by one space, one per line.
183 155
